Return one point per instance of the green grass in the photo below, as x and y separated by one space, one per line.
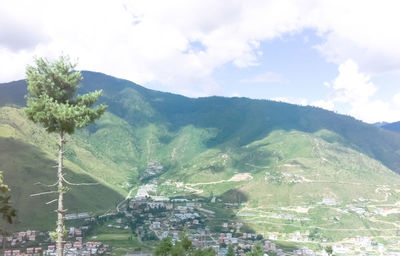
28 166
121 241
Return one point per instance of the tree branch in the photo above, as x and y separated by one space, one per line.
52 201
52 185
78 184
44 193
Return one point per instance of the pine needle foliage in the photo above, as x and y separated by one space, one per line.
51 98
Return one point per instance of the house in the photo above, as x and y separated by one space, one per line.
179 200
328 201
339 249
21 234
182 208
269 246
155 205
164 234
78 232
156 225
16 252
273 237
190 204
83 215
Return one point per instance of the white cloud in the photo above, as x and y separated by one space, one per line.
362 30
396 100
351 85
281 99
152 41
356 90
267 77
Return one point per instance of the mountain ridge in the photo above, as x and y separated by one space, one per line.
394 127
225 113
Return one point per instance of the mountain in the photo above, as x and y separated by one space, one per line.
395 127
274 158
380 124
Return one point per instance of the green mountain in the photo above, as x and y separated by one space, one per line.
273 158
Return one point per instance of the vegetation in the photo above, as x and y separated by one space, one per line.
52 103
231 251
256 251
6 210
183 247
329 250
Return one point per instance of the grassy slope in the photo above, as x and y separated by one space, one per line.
325 166
327 170
24 165
27 156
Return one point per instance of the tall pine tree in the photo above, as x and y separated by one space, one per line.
52 102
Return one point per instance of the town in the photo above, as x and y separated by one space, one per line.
33 243
152 218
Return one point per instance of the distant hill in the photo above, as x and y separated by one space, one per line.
395 127
271 152
380 124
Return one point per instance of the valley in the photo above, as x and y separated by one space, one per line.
299 177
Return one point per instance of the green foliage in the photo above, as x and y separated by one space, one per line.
186 244
182 248
51 101
204 252
329 250
257 250
53 235
164 247
6 210
231 251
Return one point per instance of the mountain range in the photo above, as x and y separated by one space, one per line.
263 154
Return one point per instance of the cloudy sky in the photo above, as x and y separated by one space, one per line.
339 55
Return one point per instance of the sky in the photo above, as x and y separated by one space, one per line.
341 55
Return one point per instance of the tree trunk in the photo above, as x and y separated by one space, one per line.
60 210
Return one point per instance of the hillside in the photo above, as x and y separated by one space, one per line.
268 155
395 127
